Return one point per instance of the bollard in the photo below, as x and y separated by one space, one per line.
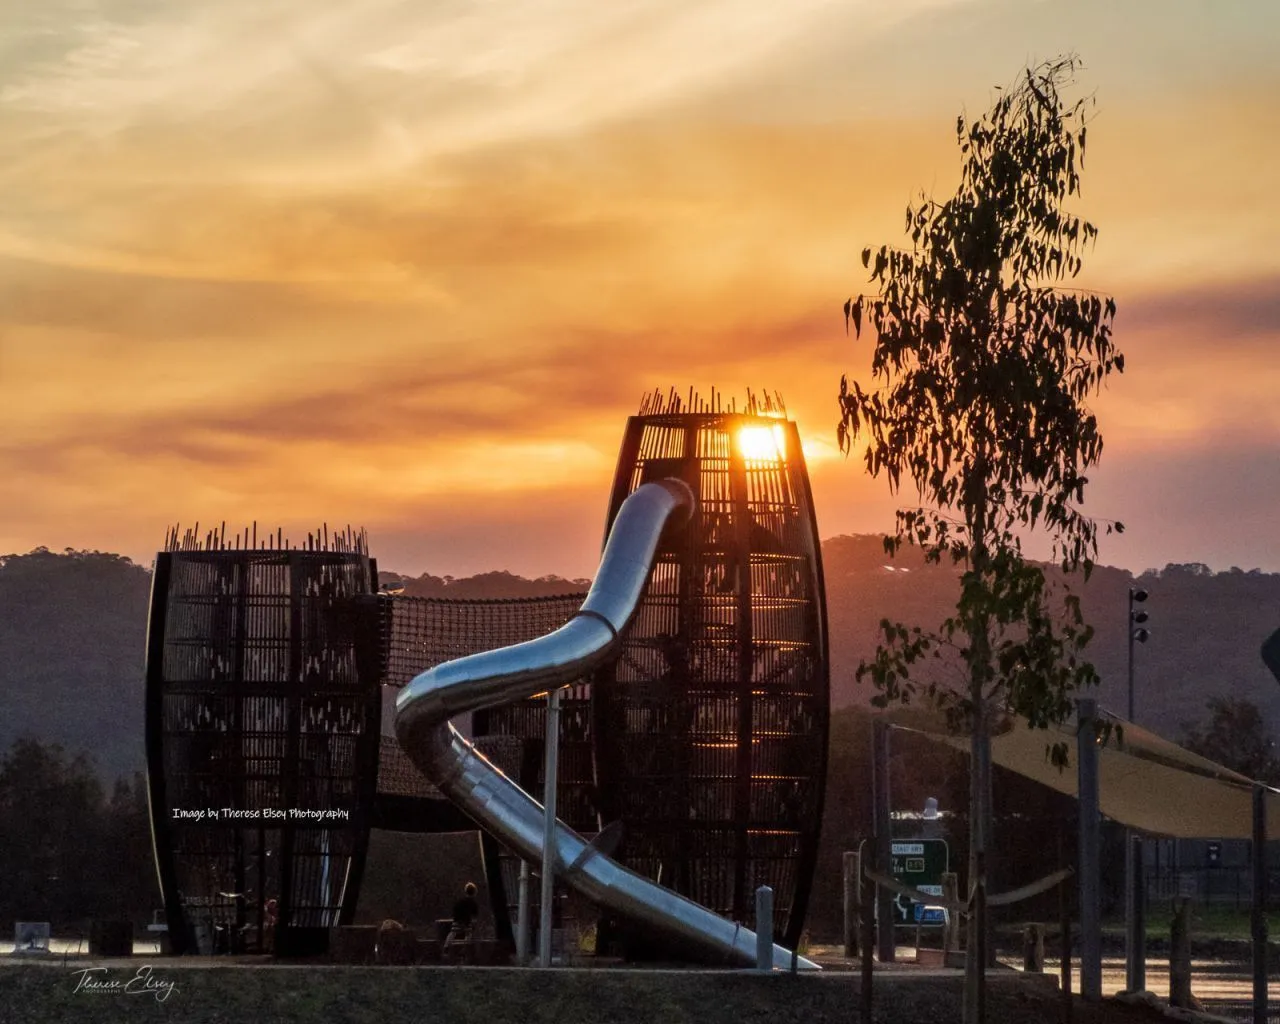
522 915
764 928
1033 949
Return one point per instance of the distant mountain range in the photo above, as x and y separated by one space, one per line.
73 627
1206 628
487 585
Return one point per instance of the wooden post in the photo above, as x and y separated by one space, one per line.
951 930
1138 918
851 878
883 840
1064 924
867 903
1180 954
1033 949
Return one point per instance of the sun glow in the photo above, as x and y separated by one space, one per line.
762 444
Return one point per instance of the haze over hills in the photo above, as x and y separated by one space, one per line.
1206 627
73 627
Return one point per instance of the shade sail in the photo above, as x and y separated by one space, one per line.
1145 781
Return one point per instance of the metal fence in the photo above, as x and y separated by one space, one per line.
1240 1010
1226 887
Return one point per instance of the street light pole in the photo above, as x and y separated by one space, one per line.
1135 903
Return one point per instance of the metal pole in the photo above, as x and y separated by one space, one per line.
1129 620
1258 915
983 914
1135 939
549 828
764 929
883 841
980 954
1090 895
522 915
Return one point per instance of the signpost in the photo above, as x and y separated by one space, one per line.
919 863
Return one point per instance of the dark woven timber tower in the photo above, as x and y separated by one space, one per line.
710 732
263 713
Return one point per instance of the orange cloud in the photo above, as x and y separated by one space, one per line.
346 282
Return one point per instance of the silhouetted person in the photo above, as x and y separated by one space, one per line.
270 917
465 912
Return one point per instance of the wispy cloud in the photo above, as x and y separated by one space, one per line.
395 81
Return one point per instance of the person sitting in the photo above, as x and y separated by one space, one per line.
270 916
388 946
465 912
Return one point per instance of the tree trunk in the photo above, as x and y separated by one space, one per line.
979 780
979 836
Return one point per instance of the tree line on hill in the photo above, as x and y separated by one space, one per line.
73 829
73 631
72 852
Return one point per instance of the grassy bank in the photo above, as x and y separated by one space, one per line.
355 995
1208 921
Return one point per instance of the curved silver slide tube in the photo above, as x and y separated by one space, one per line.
586 642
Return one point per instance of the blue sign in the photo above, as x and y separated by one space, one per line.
930 915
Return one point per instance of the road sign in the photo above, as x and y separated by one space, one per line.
930 915
1271 653
919 863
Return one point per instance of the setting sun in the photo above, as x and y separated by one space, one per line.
762 444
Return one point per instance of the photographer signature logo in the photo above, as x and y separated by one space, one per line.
144 982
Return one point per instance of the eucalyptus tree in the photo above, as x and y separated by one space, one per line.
981 374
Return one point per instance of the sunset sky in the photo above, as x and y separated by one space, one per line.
411 264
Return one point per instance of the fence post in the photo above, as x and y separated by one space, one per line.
1180 954
883 840
1137 951
1258 911
951 927
868 906
1033 949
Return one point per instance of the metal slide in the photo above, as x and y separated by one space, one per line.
586 642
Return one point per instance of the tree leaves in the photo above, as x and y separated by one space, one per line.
853 311
983 372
